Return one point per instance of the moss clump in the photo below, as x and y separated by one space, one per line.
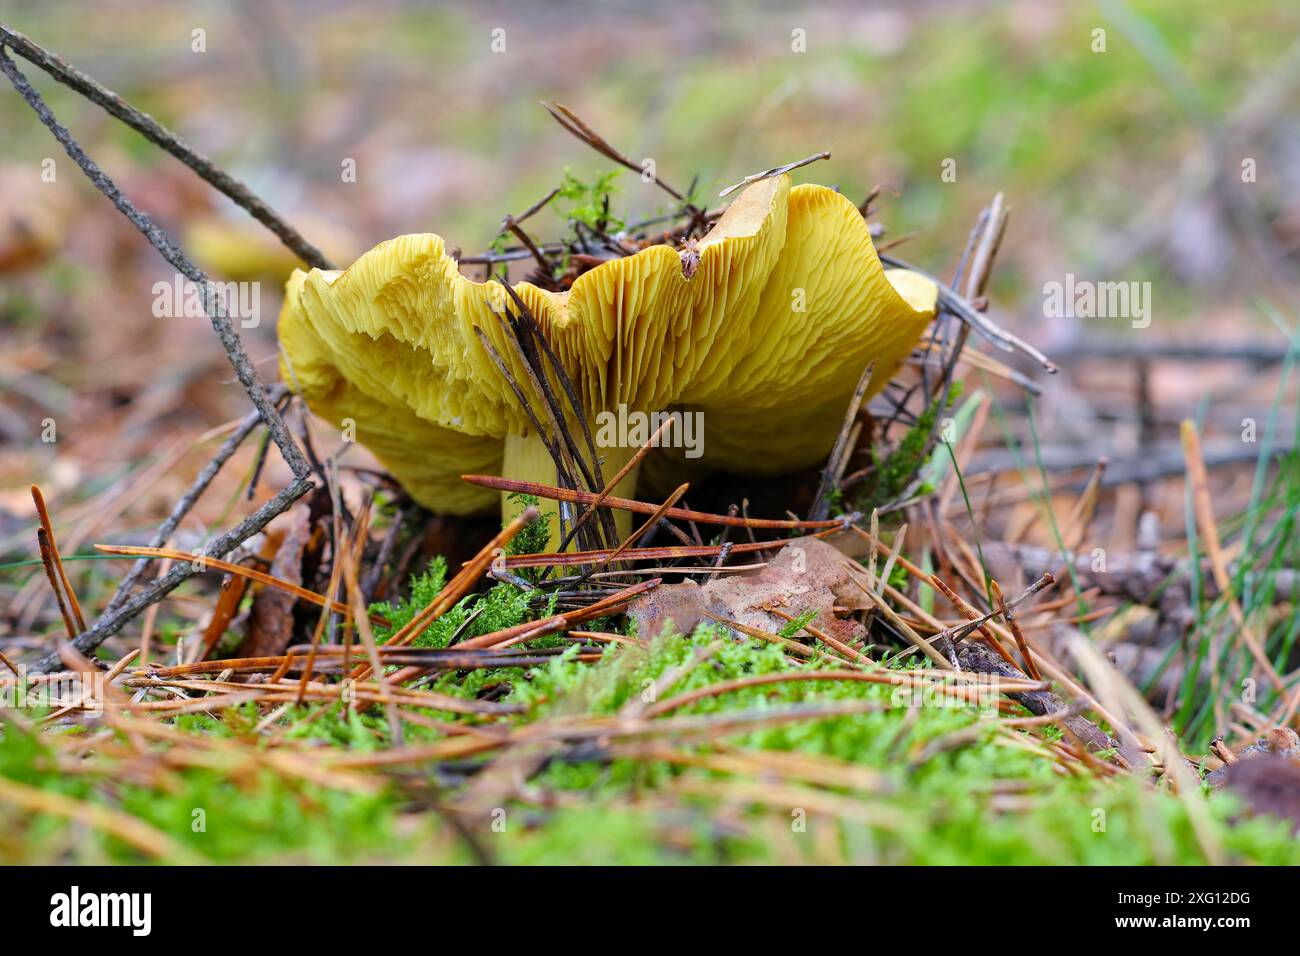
930 782
501 606
895 471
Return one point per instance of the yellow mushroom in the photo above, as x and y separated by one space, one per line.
765 335
241 250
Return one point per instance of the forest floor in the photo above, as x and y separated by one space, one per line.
1138 508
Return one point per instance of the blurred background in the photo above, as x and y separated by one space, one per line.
1138 142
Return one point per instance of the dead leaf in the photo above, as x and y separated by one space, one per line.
271 621
806 575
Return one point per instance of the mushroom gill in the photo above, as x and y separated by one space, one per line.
766 337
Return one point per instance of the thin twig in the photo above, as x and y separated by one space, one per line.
774 171
192 495
645 507
835 461
158 134
217 564
636 535
575 125
651 442
1204 510
216 312
51 572
981 323
43 514
113 621
244 370
1009 616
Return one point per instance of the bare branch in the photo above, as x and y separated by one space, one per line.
160 135
774 171
230 341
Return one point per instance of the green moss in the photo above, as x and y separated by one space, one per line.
536 535
792 628
213 814
589 203
502 606
896 470
983 802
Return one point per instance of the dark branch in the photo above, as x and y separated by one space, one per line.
244 370
112 621
156 133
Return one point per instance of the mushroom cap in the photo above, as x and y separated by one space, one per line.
351 378
240 249
767 335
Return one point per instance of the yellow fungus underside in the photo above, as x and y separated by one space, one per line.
767 338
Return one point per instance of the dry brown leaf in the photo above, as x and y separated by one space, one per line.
271 621
806 575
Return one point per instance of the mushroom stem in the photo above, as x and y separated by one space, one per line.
527 459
